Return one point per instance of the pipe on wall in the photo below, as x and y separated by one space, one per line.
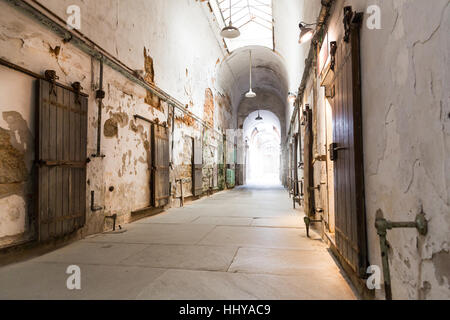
100 95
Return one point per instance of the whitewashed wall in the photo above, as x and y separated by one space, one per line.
181 39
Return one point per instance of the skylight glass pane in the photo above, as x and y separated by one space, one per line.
252 17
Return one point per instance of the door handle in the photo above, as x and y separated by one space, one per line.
334 151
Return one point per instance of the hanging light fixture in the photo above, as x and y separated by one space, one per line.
306 32
230 32
250 94
259 118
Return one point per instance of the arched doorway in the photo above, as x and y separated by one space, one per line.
262 139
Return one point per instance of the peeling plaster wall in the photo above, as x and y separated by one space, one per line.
407 140
147 36
406 121
16 157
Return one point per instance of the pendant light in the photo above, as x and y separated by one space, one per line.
259 118
250 94
230 32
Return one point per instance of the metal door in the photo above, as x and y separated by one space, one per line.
160 168
347 149
61 153
197 167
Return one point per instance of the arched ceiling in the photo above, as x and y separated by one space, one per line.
269 74
264 101
270 124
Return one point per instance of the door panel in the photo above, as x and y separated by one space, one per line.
197 167
308 164
347 153
61 153
295 167
160 169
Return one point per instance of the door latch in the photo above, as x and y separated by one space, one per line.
333 149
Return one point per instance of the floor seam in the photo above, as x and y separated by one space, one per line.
234 258
207 234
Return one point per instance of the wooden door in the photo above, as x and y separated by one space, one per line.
308 163
230 162
295 167
61 152
197 167
160 167
347 149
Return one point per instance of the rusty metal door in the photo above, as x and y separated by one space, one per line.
347 149
197 167
160 167
61 153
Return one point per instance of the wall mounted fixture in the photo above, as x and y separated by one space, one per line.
292 97
306 32
230 32
382 225
94 208
250 94
259 118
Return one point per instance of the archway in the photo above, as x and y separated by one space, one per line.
262 139
270 82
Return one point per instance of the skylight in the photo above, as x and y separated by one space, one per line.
252 17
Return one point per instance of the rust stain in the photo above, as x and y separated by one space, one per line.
111 126
149 69
154 101
224 102
12 161
54 51
151 99
208 112
185 119
16 156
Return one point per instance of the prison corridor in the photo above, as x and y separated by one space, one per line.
247 243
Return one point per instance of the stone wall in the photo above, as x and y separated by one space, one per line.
406 121
152 47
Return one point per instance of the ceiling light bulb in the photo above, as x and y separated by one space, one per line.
250 94
230 32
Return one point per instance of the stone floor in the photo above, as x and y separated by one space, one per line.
243 244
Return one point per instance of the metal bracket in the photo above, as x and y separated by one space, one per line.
382 225
114 218
308 222
77 87
348 15
93 207
50 76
